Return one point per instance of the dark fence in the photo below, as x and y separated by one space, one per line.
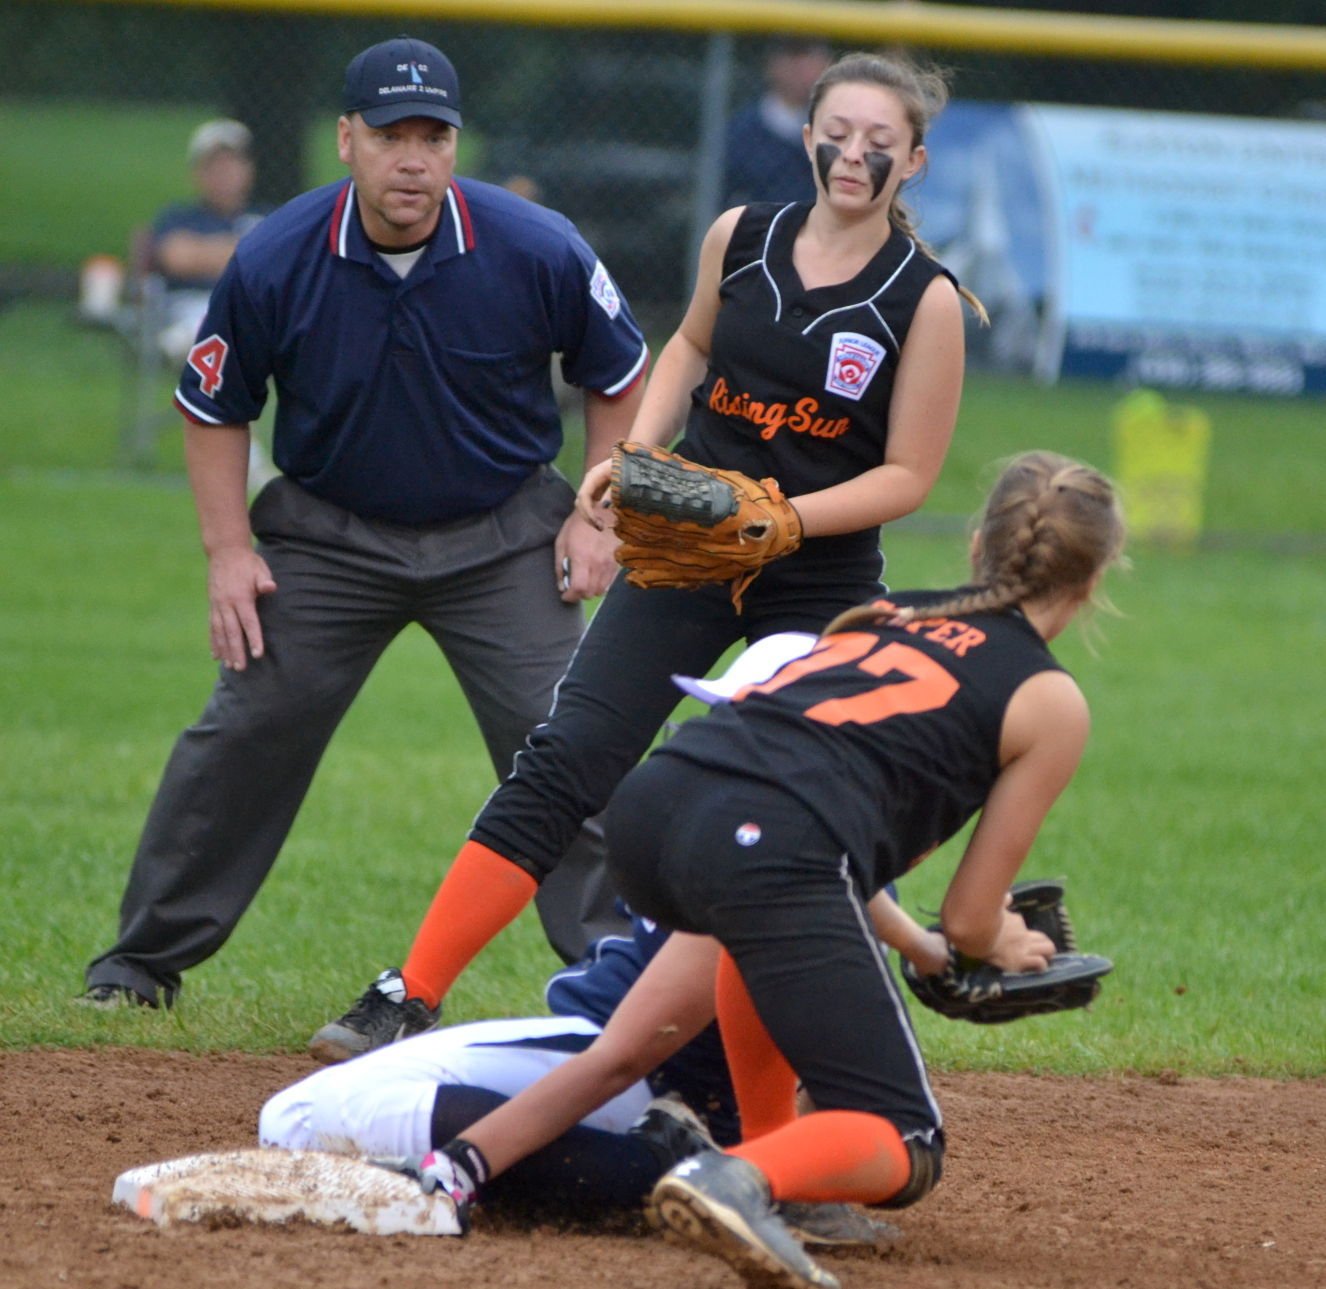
615 127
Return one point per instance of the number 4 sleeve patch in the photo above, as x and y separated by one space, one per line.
208 358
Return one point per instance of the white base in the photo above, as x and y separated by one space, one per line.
281 1185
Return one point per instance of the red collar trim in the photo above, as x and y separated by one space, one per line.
463 210
334 232
460 211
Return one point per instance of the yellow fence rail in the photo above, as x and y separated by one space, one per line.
909 22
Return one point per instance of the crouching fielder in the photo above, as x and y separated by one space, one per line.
772 822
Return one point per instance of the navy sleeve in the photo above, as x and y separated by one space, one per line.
224 381
602 347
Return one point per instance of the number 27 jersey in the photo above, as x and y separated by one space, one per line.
889 735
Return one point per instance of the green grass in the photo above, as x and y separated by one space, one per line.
118 164
1189 837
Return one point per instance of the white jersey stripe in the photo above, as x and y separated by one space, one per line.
880 318
342 233
626 381
869 301
877 950
764 262
577 970
736 273
457 226
197 411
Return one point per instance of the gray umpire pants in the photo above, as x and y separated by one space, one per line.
482 587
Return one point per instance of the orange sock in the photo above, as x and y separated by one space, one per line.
766 1086
482 893
830 1156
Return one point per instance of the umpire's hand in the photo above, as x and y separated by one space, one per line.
236 577
584 563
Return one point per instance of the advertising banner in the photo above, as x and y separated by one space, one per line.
1155 247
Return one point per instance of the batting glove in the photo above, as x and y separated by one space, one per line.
457 1170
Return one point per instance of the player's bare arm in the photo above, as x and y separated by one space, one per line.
217 458
680 368
671 1002
922 414
584 565
926 950
1045 730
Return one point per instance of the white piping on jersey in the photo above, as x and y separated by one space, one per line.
869 302
575 971
888 330
197 411
762 263
456 223
343 231
630 376
877 952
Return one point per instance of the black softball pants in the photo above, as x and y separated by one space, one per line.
713 854
618 692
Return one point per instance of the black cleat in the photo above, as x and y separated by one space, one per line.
672 1130
837 1226
382 1015
721 1204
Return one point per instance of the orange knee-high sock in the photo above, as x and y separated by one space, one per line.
766 1086
832 1155
482 893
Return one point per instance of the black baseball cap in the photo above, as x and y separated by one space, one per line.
400 78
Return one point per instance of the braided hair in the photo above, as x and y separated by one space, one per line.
1049 526
923 92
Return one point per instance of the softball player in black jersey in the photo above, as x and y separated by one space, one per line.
823 346
771 826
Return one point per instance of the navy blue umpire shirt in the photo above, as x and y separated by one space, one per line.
415 400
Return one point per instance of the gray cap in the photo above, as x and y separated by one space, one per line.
212 136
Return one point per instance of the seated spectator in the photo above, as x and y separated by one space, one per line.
192 241
766 158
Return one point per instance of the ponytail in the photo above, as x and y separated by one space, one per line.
1049 526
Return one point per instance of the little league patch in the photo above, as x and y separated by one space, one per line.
853 362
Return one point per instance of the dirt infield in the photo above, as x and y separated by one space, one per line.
1050 1182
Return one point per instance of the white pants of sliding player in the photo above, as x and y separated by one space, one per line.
381 1103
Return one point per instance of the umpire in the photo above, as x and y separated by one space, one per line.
408 321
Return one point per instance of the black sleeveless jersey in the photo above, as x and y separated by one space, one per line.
799 382
890 736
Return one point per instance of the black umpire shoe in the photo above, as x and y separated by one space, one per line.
383 1014
109 997
721 1204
